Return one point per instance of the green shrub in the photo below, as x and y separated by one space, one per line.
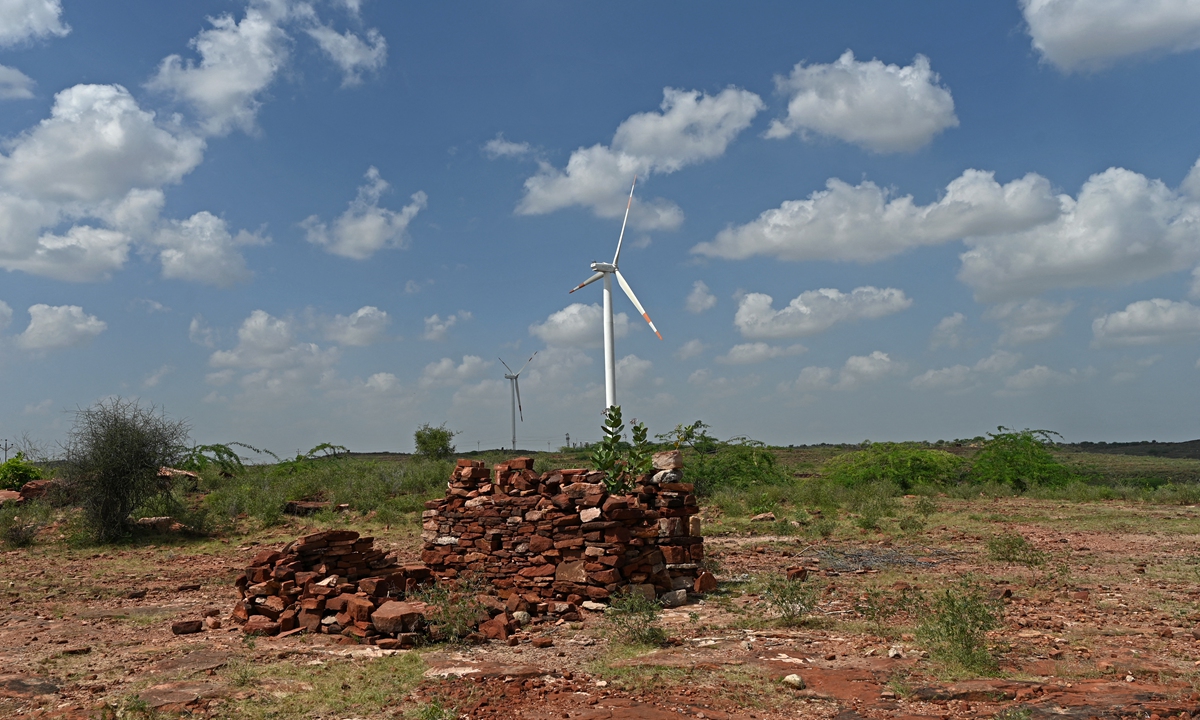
905 465
1019 459
16 471
793 600
632 619
113 454
1014 548
454 608
621 462
20 524
739 464
955 629
434 442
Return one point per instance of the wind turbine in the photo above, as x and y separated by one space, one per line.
605 271
516 394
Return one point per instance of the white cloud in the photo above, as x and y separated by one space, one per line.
858 370
946 333
1130 370
578 325
1035 378
1085 34
201 249
445 373
963 377
274 363
42 408
756 352
884 108
365 228
350 52
700 298
436 328
1122 228
860 223
52 327
199 332
631 369
814 311
498 147
363 327
1029 321
1148 322
6 315
22 20
238 60
154 378
690 349
692 127
14 84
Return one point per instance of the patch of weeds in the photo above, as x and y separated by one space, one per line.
20 524
956 626
911 523
1014 548
1013 713
925 506
632 619
241 673
876 606
454 609
434 710
824 527
793 600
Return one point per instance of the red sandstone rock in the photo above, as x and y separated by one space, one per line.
398 617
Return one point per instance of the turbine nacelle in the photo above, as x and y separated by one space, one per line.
603 267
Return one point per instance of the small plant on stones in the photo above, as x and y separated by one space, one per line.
793 600
454 609
1013 714
435 710
622 462
877 607
1014 548
955 628
632 619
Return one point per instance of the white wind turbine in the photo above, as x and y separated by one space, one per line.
606 271
514 378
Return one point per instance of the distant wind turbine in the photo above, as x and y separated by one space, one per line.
606 271
514 378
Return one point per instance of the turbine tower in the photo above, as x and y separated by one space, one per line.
606 271
514 379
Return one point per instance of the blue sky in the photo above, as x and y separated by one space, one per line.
295 222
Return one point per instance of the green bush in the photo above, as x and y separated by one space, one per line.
955 629
1014 548
113 454
621 462
739 464
20 524
454 608
793 600
16 471
905 465
1020 460
434 442
632 619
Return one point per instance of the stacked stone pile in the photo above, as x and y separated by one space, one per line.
333 582
548 543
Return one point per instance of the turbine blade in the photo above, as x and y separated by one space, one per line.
629 291
531 357
621 237
587 282
506 367
517 384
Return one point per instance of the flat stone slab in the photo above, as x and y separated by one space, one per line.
180 694
192 662
24 686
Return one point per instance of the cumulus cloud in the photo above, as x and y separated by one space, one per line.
436 327
362 327
958 378
365 228
350 52
445 373
578 325
946 332
1082 34
23 20
1029 321
692 127
201 249
272 360
1035 378
1148 322
6 315
631 369
498 147
884 108
700 298
814 311
858 370
863 223
690 349
14 84
52 327
756 352
1122 228
156 377
199 332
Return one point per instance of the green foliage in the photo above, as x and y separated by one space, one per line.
632 619
113 455
223 457
925 506
1014 548
434 442
20 524
955 629
905 465
621 462
1020 459
694 436
739 464
17 471
793 600
872 502
454 608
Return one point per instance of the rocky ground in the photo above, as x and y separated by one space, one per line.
1103 626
